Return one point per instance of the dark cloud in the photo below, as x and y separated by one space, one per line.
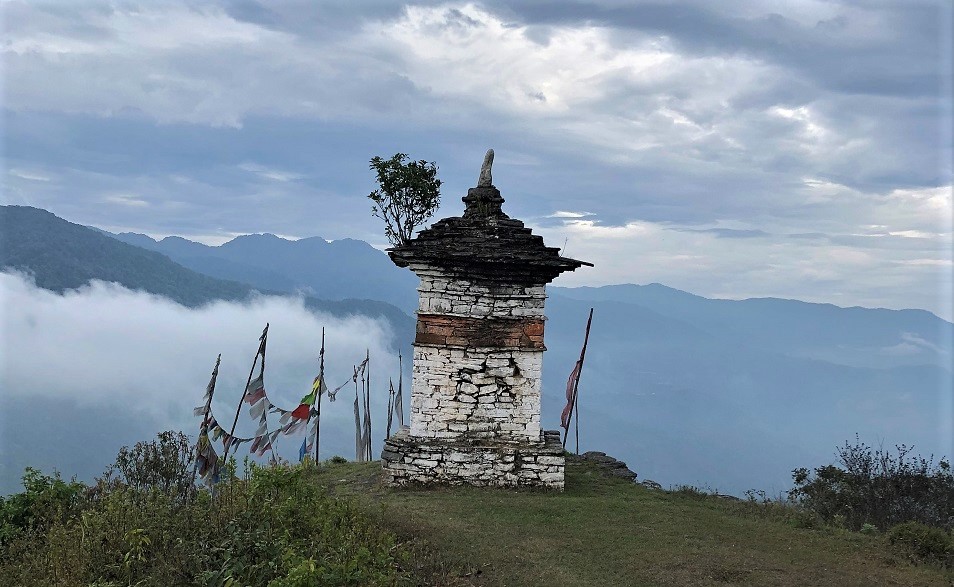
896 56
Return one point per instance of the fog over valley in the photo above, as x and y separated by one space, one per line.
90 370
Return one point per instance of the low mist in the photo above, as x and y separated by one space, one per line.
94 369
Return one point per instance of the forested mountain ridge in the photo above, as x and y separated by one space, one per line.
60 255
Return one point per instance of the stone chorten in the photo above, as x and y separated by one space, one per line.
478 352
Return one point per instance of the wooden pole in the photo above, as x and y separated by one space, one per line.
400 392
367 402
574 403
261 351
271 443
358 444
204 428
321 384
387 433
576 385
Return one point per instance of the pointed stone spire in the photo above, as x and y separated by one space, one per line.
484 201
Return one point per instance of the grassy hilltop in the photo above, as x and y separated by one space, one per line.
302 525
607 531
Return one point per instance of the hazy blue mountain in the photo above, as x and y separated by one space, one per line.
61 255
857 336
690 405
340 269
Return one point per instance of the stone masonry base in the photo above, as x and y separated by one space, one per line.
409 460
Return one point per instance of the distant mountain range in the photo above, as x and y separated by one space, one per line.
335 270
60 255
728 394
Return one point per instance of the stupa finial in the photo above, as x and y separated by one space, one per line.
486 180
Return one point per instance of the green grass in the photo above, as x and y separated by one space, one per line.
604 531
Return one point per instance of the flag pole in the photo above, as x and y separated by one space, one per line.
391 406
399 398
238 410
204 427
321 373
271 443
576 386
358 445
574 405
367 402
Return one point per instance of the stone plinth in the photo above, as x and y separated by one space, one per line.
478 352
408 460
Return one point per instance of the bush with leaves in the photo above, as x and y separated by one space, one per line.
164 464
45 500
877 487
921 542
271 526
408 194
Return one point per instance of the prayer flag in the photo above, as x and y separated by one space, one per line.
258 410
303 450
570 386
293 427
255 390
301 412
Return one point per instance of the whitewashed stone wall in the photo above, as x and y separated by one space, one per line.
475 394
478 393
441 294
407 460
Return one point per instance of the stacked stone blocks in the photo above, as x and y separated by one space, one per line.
410 461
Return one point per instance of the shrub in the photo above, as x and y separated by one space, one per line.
163 464
274 525
45 499
921 541
878 488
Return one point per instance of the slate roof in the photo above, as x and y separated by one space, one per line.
485 244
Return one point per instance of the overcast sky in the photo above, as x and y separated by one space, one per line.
793 148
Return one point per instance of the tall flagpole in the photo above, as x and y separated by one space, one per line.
576 386
367 402
321 373
399 398
574 403
387 433
238 410
204 428
271 443
358 444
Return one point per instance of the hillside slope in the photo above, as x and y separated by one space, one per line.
604 531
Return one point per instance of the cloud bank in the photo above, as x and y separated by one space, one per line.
104 360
